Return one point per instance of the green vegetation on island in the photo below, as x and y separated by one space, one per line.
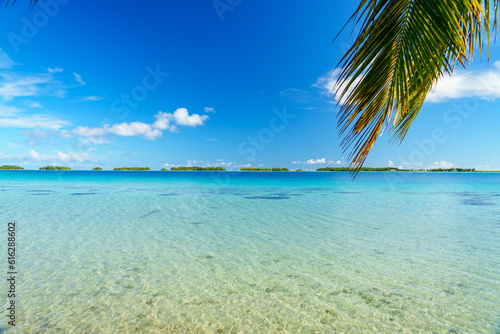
54 168
452 170
275 169
256 169
97 168
299 170
132 168
11 167
165 169
196 168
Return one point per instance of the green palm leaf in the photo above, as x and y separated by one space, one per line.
402 49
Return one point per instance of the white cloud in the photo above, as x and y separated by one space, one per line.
34 104
211 139
78 78
481 84
182 117
84 131
65 134
93 98
33 155
317 161
63 157
16 85
163 122
37 133
8 111
59 157
5 61
42 121
55 70
134 129
209 110
92 140
328 82
441 164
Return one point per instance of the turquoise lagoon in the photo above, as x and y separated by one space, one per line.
205 252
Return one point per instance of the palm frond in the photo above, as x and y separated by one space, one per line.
402 49
32 3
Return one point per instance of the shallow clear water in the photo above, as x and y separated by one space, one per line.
199 252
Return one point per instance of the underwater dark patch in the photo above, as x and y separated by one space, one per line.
39 194
83 194
149 214
476 201
40 191
168 194
466 193
197 223
267 197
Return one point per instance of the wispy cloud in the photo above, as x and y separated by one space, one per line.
296 95
441 164
85 131
34 104
55 70
311 161
9 111
5 61
32 121
14 85
209 110
78 78
92 98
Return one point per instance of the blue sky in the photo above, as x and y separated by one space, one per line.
228 83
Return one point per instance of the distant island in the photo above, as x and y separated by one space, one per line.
258 169
393 169
11 167
132 168
196 168
452 170
275 169
54 168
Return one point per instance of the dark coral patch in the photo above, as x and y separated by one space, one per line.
267 197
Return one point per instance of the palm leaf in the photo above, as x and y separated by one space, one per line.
32 3
402 49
